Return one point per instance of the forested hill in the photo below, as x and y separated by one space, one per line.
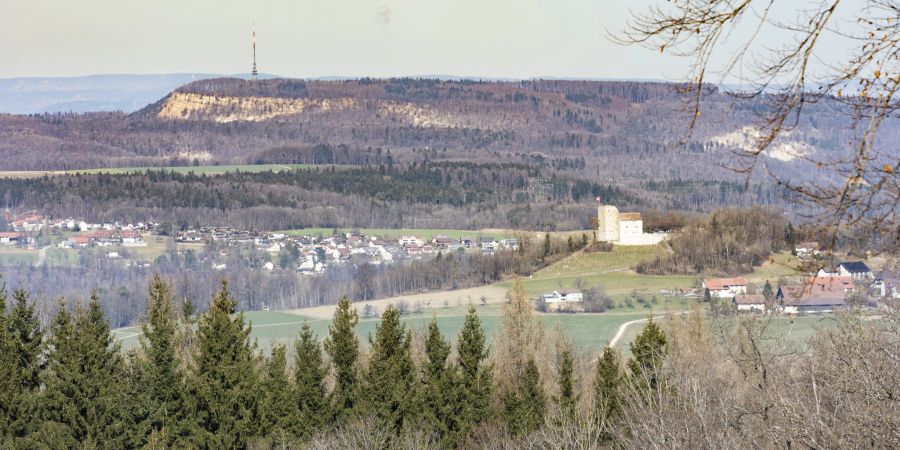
628 134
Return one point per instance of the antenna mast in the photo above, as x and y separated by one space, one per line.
254 73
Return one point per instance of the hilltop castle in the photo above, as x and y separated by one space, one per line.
622 228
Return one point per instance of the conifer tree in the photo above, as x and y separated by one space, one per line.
224 385
342 346
84 403
472 382
25 352
309 375
607 385
525 406
162 377
767 291
8 388
437 381
567 400
278 406
389 382
647 353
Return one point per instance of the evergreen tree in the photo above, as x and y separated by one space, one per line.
309 375
83 404
768 292
26 361
162 379
8 388
342 346
607 385
436 381
390 379
224 385
472 384
647 353
525 406
278 406
707 296
567 400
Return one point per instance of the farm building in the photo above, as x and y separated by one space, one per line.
816 295
562 296
11 237
726 287
750 302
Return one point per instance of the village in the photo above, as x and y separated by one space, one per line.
139 244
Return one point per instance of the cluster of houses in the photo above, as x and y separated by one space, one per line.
826 291
315 253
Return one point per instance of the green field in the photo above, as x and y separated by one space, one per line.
206 170
15 256
392 233
591 331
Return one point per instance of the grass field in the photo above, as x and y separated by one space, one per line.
207 170
270 328
14 256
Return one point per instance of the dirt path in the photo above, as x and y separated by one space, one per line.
428 300
624 326
42 256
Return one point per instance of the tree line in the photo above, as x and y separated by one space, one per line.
198 380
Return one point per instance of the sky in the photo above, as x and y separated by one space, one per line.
319 38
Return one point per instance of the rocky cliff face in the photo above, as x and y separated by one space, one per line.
187 106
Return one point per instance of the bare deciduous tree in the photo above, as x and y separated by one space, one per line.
730 41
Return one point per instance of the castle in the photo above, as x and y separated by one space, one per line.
622 228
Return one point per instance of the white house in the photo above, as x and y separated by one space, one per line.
750 303
857 270
563 296
410 241
726 287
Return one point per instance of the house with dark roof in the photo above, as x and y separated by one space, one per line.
816 295
857 270
750 303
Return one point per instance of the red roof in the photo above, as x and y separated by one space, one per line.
717 284
10 234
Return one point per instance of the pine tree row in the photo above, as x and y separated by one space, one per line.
199 382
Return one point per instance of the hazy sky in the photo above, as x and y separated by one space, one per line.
311 38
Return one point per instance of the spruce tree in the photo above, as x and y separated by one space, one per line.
647 353
525 406
389 382
342 346
8 388
278 406
162 377
84 400
767 291
25 351
225 382
309 375
436 386
472 383
567 400
607 387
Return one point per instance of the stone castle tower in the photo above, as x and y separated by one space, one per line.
607 223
